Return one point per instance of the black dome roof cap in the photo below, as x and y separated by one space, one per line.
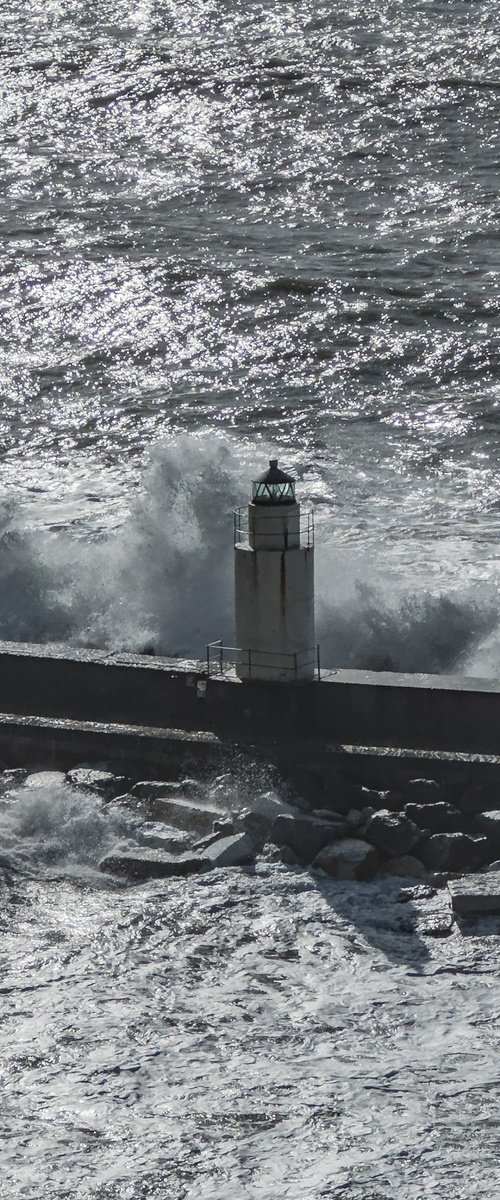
274 486
274 474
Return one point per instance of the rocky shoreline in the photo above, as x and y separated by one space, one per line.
431 836
417 831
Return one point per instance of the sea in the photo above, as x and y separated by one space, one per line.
231 231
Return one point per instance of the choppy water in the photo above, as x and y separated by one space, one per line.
276 226
229 230
251 1032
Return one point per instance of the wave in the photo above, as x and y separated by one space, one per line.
416 633
163 582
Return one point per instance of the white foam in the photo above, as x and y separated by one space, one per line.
163 581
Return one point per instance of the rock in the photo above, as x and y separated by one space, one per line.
270 806
306 784
454 852
152 789
476 893
186 814
129 804
151 864
407 864
13 778
257 820
329 814
255 826
223 790
305 835
392 833
393 800
236 851
437 818
348 795
45 779
103 782
193 787
223 827
155 836
226 830
288 856
350 858
474 800
354 818
421 791
489 823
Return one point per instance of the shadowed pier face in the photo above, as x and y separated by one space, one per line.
357 713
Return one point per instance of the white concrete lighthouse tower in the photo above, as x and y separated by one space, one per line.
274 582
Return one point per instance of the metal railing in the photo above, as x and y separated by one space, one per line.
303 525
221 659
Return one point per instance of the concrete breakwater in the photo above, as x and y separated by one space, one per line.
61 704
450 714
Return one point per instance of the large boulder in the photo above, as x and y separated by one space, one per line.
405 866
151 864
306 836
345 795
153 835
257 820
334 818
454 852
235 851
437 818
476 799
92 779
349 858
187 814
392 833
421 791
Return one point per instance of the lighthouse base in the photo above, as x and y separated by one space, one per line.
275 613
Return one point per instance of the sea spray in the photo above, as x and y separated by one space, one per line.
163 582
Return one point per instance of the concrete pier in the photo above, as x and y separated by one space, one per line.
59 702
364 708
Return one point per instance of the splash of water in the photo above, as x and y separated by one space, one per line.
414 632
164 581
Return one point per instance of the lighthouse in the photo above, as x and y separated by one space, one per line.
274 582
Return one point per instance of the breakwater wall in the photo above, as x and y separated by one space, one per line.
358 708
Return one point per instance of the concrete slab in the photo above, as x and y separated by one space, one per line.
476 893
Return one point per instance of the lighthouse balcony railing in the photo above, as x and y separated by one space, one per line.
304 526
222 660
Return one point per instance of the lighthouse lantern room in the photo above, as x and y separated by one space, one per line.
274 582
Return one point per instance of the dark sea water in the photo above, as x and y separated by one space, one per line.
230 230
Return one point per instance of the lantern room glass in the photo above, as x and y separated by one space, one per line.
273 493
